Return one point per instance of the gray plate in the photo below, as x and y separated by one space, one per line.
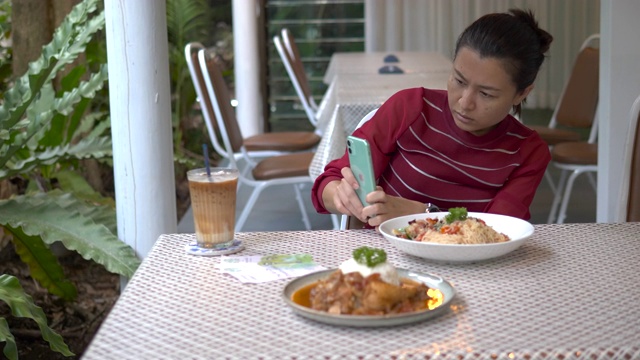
431 281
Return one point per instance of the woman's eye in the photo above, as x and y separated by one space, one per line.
487 95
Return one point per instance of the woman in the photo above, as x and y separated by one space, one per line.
454 148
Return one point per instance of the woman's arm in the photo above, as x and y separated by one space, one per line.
330 193
515 197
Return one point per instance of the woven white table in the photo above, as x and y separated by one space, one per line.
350 98
570 292
368 63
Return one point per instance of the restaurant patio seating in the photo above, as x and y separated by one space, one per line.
576 109
288 169
290 56
256 146
630 191
573 159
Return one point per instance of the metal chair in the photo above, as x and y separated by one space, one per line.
290 56
288 169
256 146
630 191
576 108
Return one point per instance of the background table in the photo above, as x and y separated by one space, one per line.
411 62
350 98
570 292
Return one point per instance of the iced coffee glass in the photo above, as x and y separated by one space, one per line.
213 202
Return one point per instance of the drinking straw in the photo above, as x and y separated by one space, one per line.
206 159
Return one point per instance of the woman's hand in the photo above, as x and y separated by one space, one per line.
384 207
346 196
340 196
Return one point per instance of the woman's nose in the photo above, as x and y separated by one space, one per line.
467 100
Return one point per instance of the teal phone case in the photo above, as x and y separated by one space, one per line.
361 166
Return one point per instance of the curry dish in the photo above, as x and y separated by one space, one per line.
353 294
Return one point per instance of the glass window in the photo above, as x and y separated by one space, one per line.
320 28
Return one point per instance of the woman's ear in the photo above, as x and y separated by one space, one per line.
523 95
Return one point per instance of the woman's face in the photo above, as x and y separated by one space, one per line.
481 92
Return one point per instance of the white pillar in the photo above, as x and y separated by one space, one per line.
247 66
139 96
619 86
373 35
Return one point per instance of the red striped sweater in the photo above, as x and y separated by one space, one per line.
420 154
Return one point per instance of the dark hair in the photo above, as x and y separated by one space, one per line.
512 37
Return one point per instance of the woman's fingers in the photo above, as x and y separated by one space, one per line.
348 176
384 207
347 200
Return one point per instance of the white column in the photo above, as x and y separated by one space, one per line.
139 96
373 34
619 86
247 66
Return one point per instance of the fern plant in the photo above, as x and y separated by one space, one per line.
43 135
187 21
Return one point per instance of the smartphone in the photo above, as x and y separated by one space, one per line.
361 166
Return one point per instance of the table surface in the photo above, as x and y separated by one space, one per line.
571 291
349 98
411 62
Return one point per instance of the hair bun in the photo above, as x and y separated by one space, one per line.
544 38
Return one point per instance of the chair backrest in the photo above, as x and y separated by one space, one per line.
295 69
221 102
191 54
296 60
579 100
630 190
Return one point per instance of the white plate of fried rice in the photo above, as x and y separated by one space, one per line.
435 246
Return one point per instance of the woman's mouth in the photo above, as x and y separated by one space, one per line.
461 118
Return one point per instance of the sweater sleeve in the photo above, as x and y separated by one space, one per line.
381 131
515 197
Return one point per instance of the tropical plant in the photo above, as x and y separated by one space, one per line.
5 51
187 21
44 134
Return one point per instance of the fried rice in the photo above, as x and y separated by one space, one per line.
469 231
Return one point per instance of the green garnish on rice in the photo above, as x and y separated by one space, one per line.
456 214
369 256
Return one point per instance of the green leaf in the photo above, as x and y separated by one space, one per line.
43 265
76 118
55 132
86 89
10 348
73 182
69 41
86 148
455 214
186 19
369 257
73 78
22 305
63 218
41 71
92 126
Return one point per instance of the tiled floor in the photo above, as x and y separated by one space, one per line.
277 209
